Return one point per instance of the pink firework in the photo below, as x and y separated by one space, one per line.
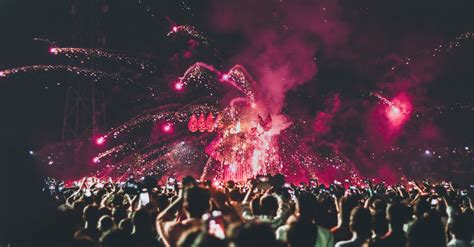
398 110
178 86
100 140
167 128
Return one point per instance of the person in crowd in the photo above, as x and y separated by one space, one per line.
341 231
126 225
119 214
255 213
397 217
91 218
360 226
252 234
305 215
379 219
143 233
200 238
426 231
105 224
195 201
116 238
460 230
302 233
271 209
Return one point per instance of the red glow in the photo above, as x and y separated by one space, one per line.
192 124
398 111
100 140
202 123
53 50
174 29
179 86
96 160
210 122
167 128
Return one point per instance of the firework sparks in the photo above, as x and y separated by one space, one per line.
92 55
398 110
96 74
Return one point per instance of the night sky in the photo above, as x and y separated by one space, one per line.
324 50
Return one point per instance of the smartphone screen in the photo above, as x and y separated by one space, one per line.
215 224
87 193
144 198
434 202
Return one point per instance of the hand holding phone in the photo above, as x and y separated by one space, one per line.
215 224
144 197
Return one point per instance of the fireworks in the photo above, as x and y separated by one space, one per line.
100 140
398 110
95 74
219 123
94 54
190 32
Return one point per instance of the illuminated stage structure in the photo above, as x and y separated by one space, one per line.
230 134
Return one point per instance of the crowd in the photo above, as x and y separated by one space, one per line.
264 211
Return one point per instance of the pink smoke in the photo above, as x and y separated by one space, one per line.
322 122
282 40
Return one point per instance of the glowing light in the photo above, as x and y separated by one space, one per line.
53 50
100 140
167 128
398 110
2 74
394 113
174 29
179 86
427 152
96 160
225 77
31 152
466 148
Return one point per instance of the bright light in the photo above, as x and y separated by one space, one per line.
100 140
167 128
174 29
53 50
179 86
394 114
2 74
31 152
427 152
466 148
225 77
96 160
